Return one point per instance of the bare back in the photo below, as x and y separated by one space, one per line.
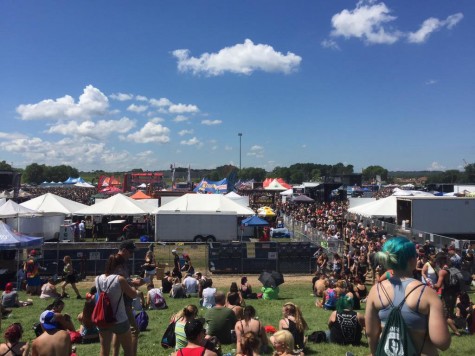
57 343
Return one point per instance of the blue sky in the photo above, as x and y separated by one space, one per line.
117 85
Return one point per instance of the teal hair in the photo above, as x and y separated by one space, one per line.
396 253
343 303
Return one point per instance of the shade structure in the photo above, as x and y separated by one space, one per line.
271 279
10 240
276 184
386 207
302 199
52 203
118 204
140 195
254 221
11 210
205 203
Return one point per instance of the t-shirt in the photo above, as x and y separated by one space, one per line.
191 285
220 321
208 297
9 299
346 329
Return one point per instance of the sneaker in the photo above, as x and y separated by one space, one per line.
78 297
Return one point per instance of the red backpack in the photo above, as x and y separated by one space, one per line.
103 314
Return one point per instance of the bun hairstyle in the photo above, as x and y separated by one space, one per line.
396 253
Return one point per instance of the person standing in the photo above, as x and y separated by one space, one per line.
176 265
32 269
126 249
117 289
89 225
82 230
69 278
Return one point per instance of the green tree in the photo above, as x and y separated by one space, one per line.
4 166
470 173
34 173
280 172
370 173
258 174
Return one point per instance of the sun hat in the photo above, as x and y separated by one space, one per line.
47 320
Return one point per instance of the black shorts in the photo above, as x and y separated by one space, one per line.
70 278
448 302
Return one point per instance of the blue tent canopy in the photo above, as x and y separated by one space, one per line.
254 221
10 240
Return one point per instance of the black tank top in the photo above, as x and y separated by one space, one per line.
346 329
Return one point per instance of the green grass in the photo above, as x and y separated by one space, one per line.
269 313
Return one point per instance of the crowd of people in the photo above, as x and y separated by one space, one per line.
77 194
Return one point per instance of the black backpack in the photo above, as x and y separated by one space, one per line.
395 339
455 280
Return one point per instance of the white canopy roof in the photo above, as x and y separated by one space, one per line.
232 195
2 201
386 207
83 185
118 204
52 203
11 209
204 203
287 192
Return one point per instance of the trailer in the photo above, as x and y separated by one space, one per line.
449 216
196 226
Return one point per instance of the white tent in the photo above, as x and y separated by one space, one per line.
11 209
232 195
240 199
2 201
403 193
83 185
206 203
52 203
118 204
386 207
287 193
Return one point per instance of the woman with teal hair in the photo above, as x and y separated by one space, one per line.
422 309
345 324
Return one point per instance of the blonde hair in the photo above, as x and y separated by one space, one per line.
293 310
285 337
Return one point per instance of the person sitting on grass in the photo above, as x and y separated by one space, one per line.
88 329
62 321
250 345
249 324
48 290
13 345
181 318
220 320
330 297
53 341
345 325
195 335
283 343
10 298
294 322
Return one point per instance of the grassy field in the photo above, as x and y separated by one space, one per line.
296 289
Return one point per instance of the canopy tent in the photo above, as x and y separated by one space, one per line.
233 195
111 190
10 240
302 199
5 194
386 207
118 204
84 185
11 209
71 180
275 184
265 211
206 203
52 203
403 193
140 195
240 199
287 193
2 201
254 221
143 185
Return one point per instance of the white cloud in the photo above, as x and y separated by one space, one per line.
91 102
211 122
191 142
150 133
183 108
242 58
431 82
329 43
431 25
185 132
160 102
365 22
436 166
256 151
11 136
96 130
228 148
141 98
121 96
156 120
137 108
181 118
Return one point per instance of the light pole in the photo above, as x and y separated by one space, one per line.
240 135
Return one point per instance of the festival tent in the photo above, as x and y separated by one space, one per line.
275 184
254 221
10 240
287 193
11 209
243 200
206 203
111 190
2 201
83 185
385 207
140 195
118 204
302 199
265 211
52 203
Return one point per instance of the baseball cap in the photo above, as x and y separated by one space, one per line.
127 245
47 320
34 253
8 287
